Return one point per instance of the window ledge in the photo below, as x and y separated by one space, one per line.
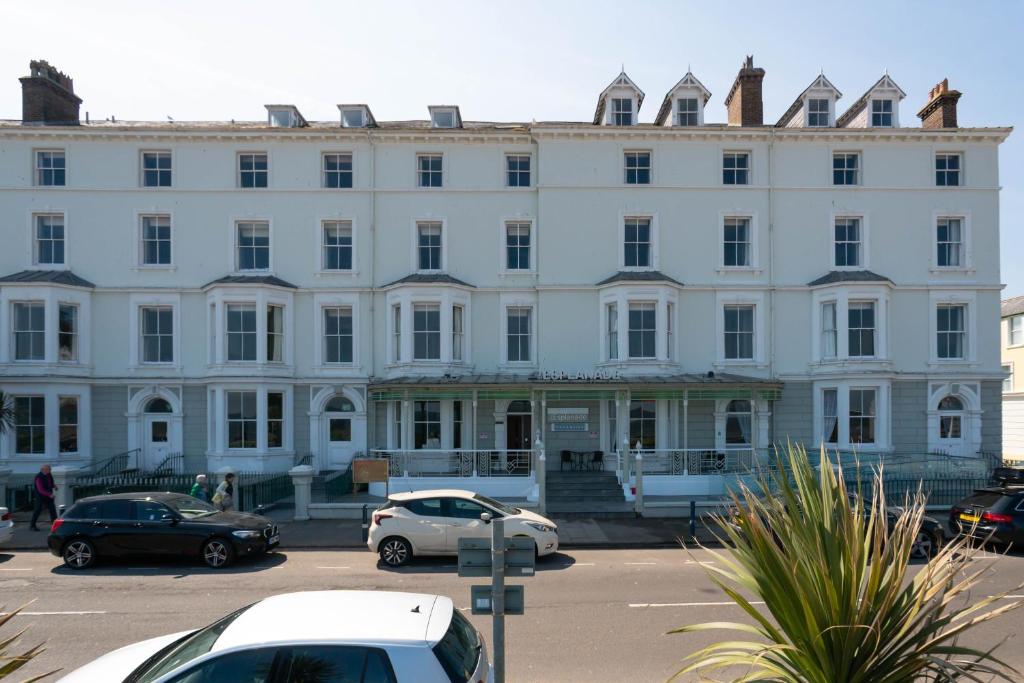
167 268
332 273
966 270
726 270
744 362
154 367
517 273
962 363
517 365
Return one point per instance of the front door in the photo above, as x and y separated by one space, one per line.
517 432
158 441
951 436
339 439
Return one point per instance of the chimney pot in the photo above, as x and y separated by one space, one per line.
940 110
744 102
48 96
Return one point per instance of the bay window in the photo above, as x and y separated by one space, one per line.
851 414
426 334
642 330
428 325
861 329
635 326
849 323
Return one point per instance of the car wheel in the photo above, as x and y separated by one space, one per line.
79 554
395 551
924 546
218 553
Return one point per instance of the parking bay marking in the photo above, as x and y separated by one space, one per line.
639 563
15 569
55 614
334 567
689 604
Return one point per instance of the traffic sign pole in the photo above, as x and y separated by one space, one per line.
498 596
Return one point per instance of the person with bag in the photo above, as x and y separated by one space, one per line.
200 489
224 496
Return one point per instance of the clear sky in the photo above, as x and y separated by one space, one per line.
519 61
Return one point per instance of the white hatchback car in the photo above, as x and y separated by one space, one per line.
335 636
6 525
432 522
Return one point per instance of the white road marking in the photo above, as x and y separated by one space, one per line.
640 563
53 614
334 567
15 569
687 604
580 564
703 562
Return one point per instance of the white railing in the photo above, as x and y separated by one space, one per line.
457 463
696 461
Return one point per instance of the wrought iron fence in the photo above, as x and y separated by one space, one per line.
263 490
115 465
697 461
252 489
942 491
458 463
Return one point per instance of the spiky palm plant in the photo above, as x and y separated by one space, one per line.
839 603
10 663
6 413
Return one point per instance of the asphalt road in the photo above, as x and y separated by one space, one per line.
591 615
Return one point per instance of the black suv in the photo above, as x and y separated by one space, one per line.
160 524
993 514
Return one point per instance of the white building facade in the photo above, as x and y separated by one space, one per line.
249 294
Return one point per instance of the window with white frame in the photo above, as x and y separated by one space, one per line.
50 168
829 330
517 245
612 330
637 246
353 118
881 114
156 169
947 169
739 331
337 245
338 334
428 246
517 170
252 245
638 167
518 334
443 118
861 330
642 330
67 333
242 419
29 331
252 169
458 333
275 419
736 168
863 414
1008 378
156 240
736 242
830 416
396 333
275 333
738 422
818 113
157 334
643 424
426 418
426 332
670 329
49 239
29 425
337 170
429 170
622 111
950 411
67 424
241 332
687 111
848 242
951 331
1015 330
845 168
949 242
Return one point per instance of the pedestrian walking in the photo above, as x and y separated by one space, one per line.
200 489
224 496
44 489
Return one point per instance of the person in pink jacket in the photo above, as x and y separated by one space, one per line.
44 490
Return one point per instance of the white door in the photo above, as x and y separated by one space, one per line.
157 441
952 421
339 440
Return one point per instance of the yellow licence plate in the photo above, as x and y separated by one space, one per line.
970 518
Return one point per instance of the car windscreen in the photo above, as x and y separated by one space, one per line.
189 507
192 646
497 505
459 650
981 499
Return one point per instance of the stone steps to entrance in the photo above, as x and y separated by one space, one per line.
585 494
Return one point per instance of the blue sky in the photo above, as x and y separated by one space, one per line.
520 60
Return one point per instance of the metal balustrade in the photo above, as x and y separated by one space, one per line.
696 461
457 463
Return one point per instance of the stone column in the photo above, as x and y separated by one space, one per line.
541 474
302 479
639 502
62 475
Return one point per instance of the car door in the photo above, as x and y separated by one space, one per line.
155 529
113 527
464 521
243 666
334 663
425 525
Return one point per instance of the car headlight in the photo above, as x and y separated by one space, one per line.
245 534
543 528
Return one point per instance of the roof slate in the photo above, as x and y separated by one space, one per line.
1012 306
638 276
271 280
429 279
837 276
57 277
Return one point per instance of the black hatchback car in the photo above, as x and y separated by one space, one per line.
994 514
157 524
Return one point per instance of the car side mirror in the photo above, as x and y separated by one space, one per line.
486 517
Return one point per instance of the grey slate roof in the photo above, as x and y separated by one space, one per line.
429 279
837 276
57 277
251 280
638 276
1012 306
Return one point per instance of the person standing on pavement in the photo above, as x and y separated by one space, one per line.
224 497
44 490
200 489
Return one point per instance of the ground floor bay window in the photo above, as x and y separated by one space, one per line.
250 421
51 423
852 415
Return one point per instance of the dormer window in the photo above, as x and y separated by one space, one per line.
355 116
445 117
881 113
619 103
687 111
284 116
818 113
684 103
622 111
879 107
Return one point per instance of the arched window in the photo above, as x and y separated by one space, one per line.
950 420
737 423
519 407
951 403
158 405
339 404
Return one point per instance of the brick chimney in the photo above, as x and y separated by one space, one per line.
744 99
48 97
940 112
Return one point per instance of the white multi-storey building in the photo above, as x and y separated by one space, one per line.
250 293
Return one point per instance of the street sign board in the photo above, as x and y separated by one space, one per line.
475 556
515 601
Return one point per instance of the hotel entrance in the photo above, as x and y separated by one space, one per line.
518 426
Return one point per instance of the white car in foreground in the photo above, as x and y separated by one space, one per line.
432 522
6 525
359 636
